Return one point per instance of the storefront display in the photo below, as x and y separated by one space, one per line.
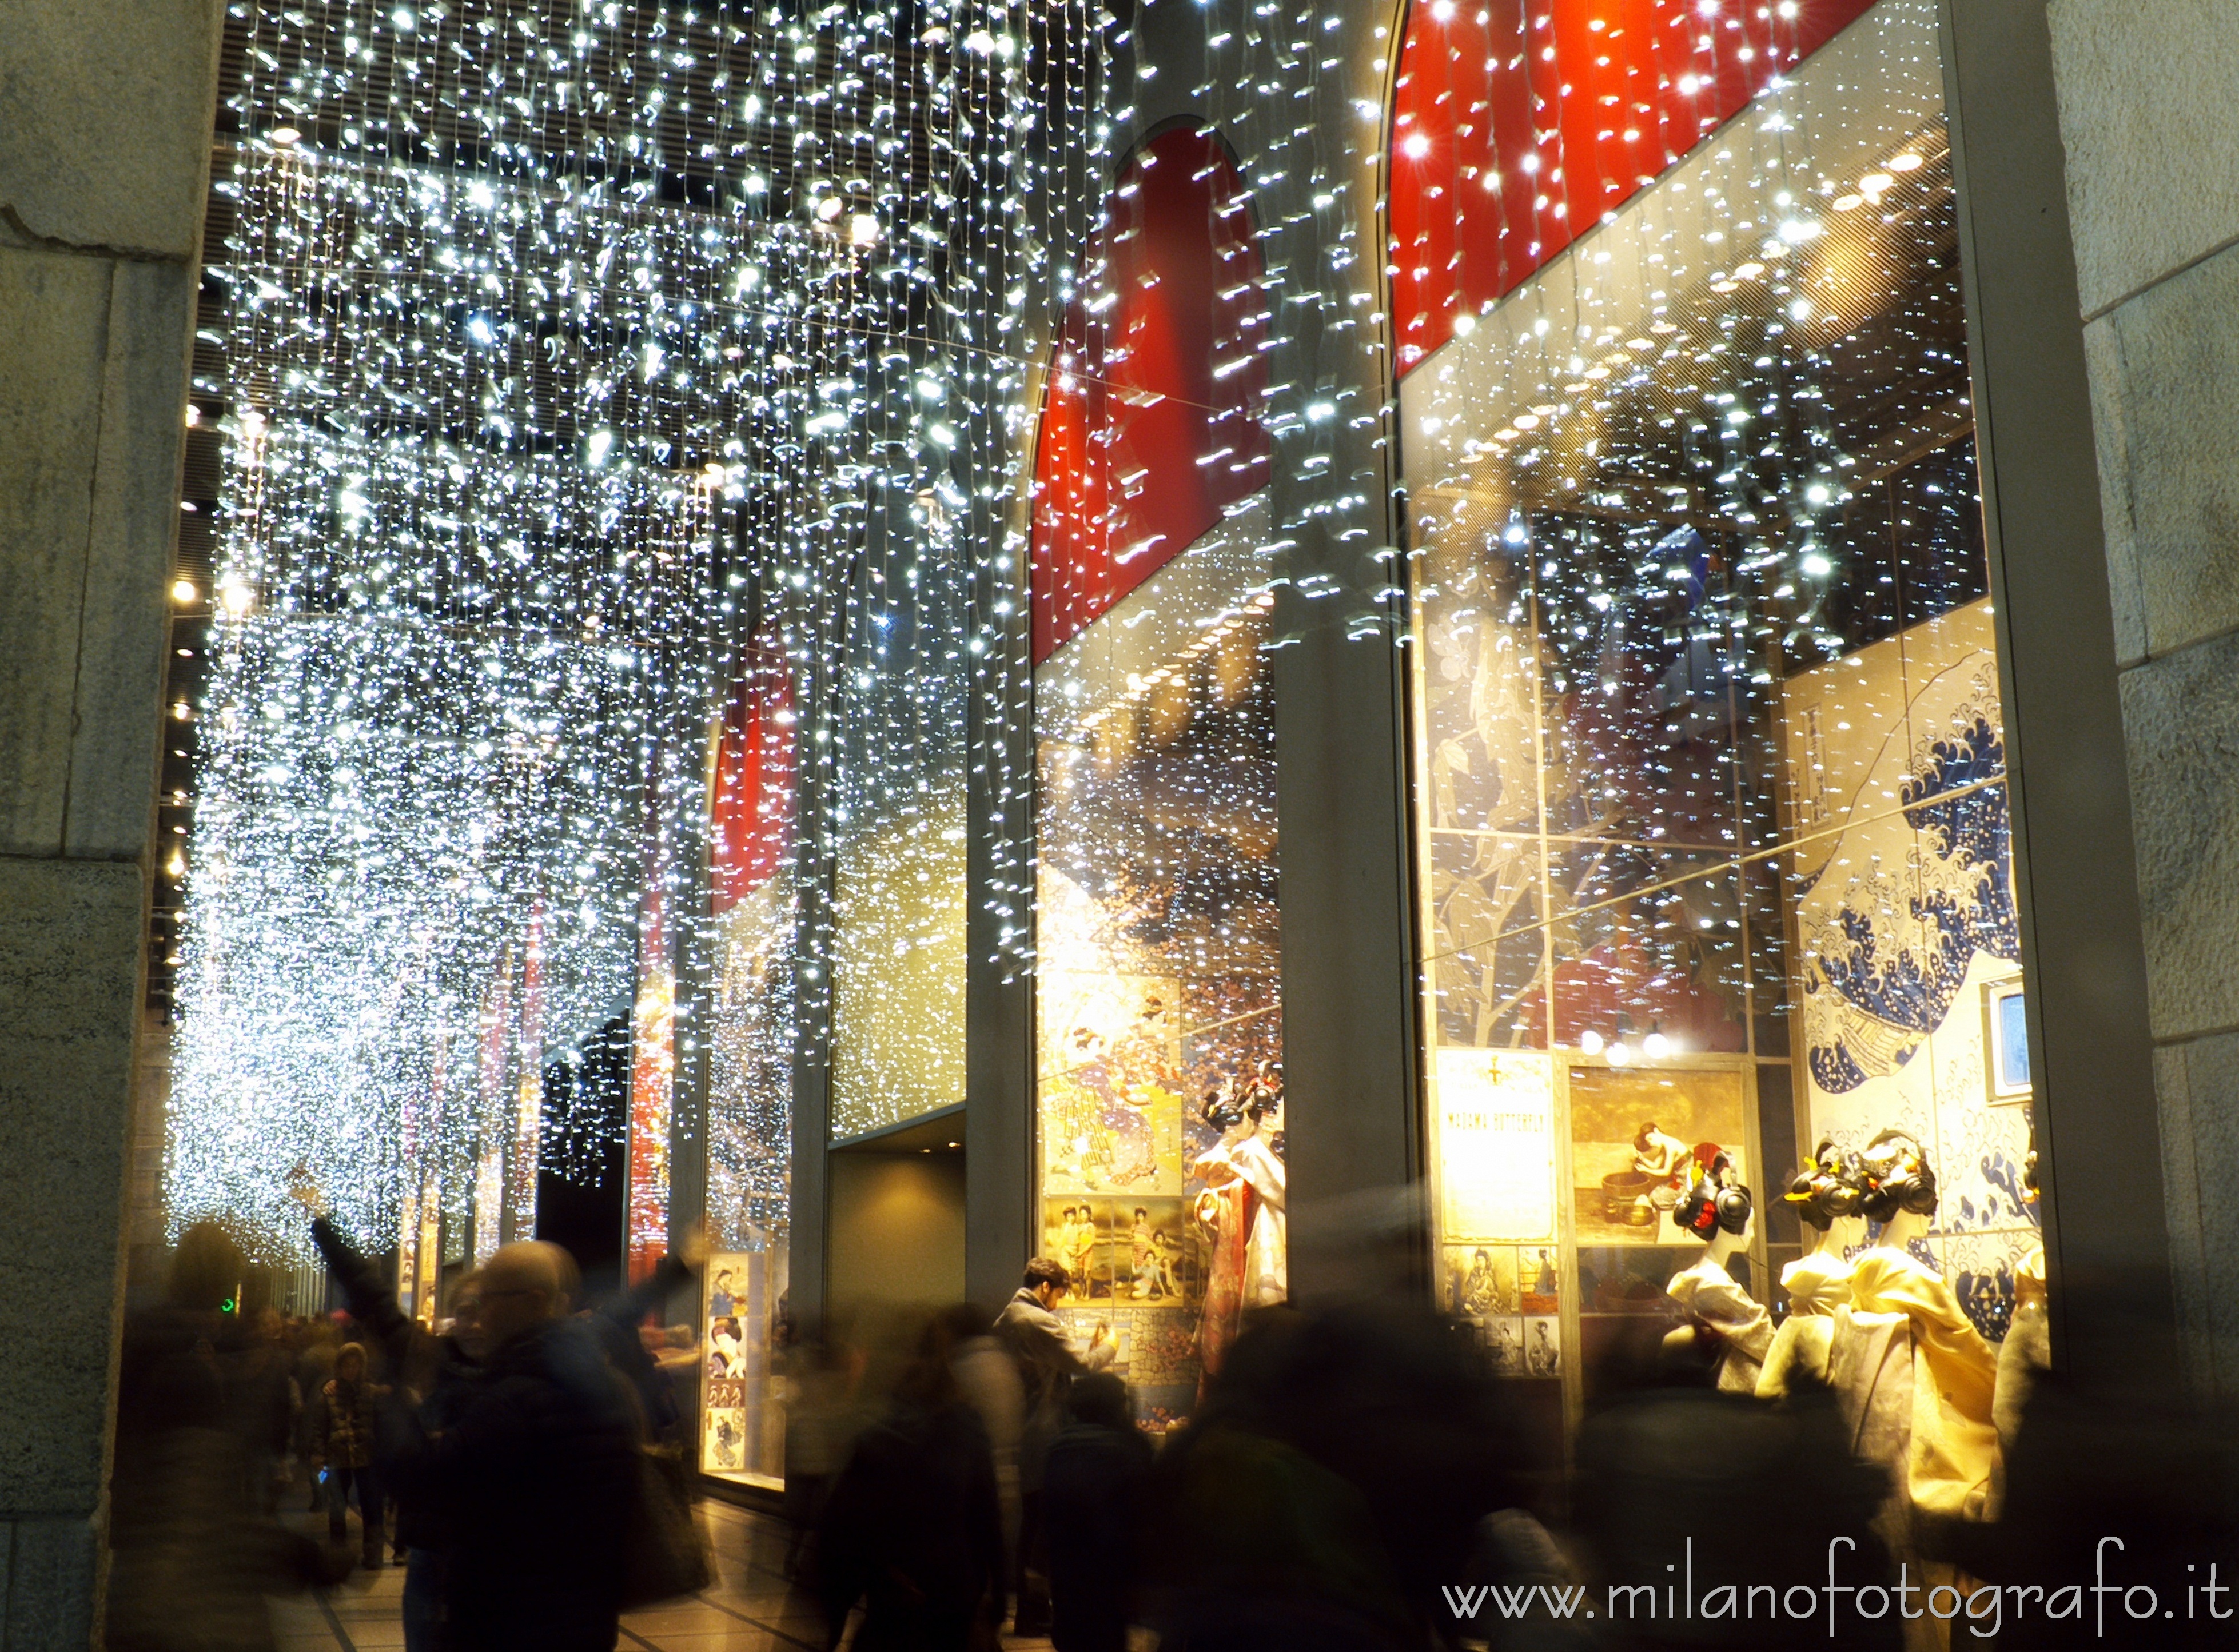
742 1397
1160 1079
1719 950
1724 1066
743 1318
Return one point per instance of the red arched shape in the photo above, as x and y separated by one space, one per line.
1517 124
751 794
1150 425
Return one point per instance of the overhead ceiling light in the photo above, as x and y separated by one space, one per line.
183 591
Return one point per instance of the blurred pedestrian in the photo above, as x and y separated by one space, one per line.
262 1401
1094 1490
988 1378
315 1362
821 1418
617 1322
534 1473
342 1446
191 1559
1048 1359
912 1529
434 1368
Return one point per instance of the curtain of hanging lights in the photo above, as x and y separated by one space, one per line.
587 369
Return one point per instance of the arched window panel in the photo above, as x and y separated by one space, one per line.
1518 126
1151 428
751 785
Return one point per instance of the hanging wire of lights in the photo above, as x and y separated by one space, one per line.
610 388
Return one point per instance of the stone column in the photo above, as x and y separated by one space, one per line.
2153 147
105 122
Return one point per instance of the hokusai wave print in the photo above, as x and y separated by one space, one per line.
1897 958
1904 869
1904 917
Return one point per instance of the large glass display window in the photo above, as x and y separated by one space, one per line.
1716 900
744 1321
1160 1175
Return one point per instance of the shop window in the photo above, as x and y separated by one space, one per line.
1159 1086
897 825
1711 773
743 1332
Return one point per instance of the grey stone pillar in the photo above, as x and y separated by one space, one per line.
105 117
2151 144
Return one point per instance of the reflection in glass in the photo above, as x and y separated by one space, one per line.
1160 1071
1709 750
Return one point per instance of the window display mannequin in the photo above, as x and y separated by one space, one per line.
1716 1208
1954 1447
1825 1195
1241 1210
2028 1347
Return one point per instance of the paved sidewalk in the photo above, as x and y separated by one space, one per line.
752 1607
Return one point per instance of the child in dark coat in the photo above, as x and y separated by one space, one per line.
341 1442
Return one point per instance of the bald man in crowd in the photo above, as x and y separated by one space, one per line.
533 1473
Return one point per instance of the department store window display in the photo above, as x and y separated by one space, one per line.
744 1321
1717 893
1159 1078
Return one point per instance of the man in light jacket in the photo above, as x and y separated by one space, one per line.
1048 1359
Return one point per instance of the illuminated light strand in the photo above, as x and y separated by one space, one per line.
570 350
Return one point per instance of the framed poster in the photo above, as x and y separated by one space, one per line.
1494 1118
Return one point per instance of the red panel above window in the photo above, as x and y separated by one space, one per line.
1519 124
1149 424
752 794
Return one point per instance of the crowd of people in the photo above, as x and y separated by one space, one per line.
523 1458
1349 1477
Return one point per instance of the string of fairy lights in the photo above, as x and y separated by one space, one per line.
587 366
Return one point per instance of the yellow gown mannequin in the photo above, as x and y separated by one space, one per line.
1953 1451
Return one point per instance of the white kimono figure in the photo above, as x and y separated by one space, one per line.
1708 1293
1266 1243
1243 1155
1818 1285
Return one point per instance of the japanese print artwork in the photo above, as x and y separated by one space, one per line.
742 1427
1633 1134
1903 888
1169 1221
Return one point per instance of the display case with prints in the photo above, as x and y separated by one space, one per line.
1709 805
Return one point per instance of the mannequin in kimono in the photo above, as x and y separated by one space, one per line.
1826 1195
1715 1208
1241 1212
1953 1449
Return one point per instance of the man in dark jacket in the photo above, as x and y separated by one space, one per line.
913 1530
533 1476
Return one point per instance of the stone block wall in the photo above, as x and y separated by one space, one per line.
105 122
2153 185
